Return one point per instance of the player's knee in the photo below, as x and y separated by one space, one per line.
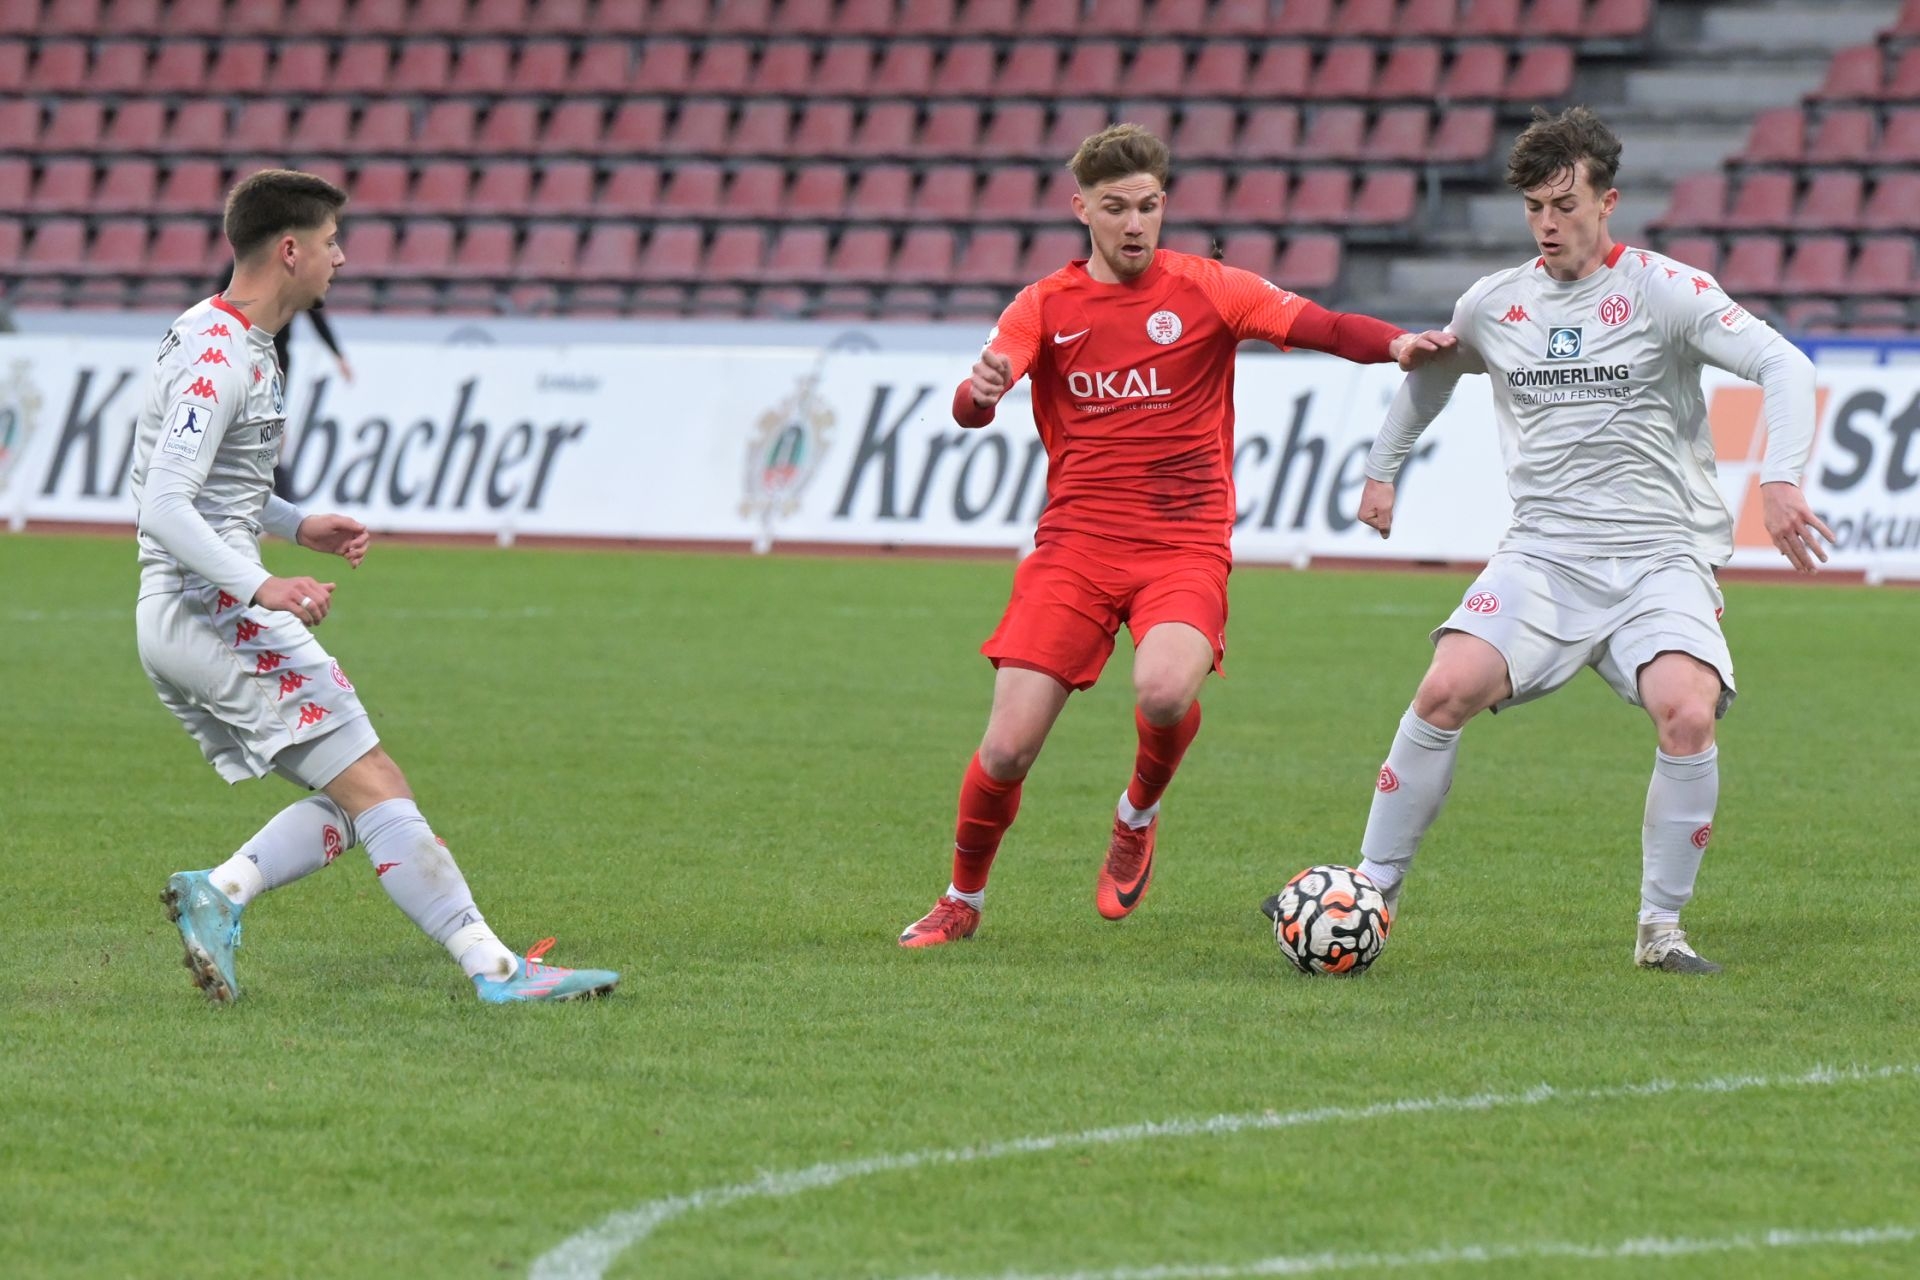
1163 701
1007 756
1686 726
1446 700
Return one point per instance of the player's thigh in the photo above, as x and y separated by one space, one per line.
1674 607
1541 618
1060 621
1179 589
260 676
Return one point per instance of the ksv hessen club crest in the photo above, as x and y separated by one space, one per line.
19 413
783 455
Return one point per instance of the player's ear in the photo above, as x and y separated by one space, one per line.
1080 208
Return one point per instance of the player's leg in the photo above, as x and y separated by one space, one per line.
1170 663
418 872
1672 659
1467 676
1055 637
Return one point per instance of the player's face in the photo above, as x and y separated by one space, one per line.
1568 219
317 256
1124 217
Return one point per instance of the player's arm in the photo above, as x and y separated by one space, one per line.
202 403
1423 393
1724 334
333 534
1009 353
1254 307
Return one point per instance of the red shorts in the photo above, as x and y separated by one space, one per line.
1068 604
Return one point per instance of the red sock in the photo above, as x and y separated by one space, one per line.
987 806
1160 750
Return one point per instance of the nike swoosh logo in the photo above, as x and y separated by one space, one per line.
1061 338
1127 897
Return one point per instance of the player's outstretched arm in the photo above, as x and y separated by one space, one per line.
335 535
1792 524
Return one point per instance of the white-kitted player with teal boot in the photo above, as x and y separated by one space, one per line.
227 644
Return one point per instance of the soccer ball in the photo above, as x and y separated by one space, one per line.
1329 920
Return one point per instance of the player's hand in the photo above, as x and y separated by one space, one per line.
992 375
1411 350
1376 506
304 598
336 535
1791 524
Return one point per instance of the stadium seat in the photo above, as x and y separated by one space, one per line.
191 186
1031 70
1070 125
633 190
1817 265
1345 71
1499 19
424 67
1556 19
58 66
1309 263
1429 19
1207 131
1259 195
501 17
1699 252
862 254
1048 251
1543 73
762 130
504 187
364 66
139 126
1765 199
936 18
1201 195
119 66
1335 133
1270 132
638 126
1093 70
181 247
511 126
785 69
1105 17
1854 74
119 247
1618 19
990 255
1156 70
65 186
602 67
1831 200
925 256
1410 73
1752 265
881 193
1478 73
1399 134
1777 136
611 251
665 67
16 185
76 125
886 129
945 194
1907 25
482 68
847 65
1220 69
380 186
1314 18
1844 136
1281 72
299 67
1903 83
575 127
1010 193
692 190
699 127
1890 208
1368 19
818 192
1464 137
178 67
826 129
441 187
384 126
756 191
722 67
798 256
866 17
1698 202
486 252
562 188
1018 129
951 129
57 246
1386 198
1884 265
447 127
737 253
1321 197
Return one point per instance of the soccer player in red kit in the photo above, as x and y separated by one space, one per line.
1131 355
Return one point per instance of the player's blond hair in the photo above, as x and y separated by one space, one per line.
273 202
1552 145
1120 151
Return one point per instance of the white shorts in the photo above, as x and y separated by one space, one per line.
253 687
1551 616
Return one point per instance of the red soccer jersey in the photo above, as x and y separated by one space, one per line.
1133 394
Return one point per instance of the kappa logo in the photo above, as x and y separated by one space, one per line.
311 713
245 631
224 602
215 331
1164 327
1515 314
290 682
1563 344
268 661
214 355
204 389
1615 310
381 869
1701 284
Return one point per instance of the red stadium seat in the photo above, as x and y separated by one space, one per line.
1399 134
1903 84
1250 250
886 129
1259 195
364 66
737 253
1009 194
577 126
1845 136
1478 73
378 17
638 126
1496 18
863 254
191 186
665 67
299 66
1386 198
1752 265
442 17
1155 117
510 127
385 126
991 255
1618 19
1048 251
798 255
602 67
423 67
264 125
951 129
1890 207
1702 253
826 129
632 189
1908 23
1335 133
1281 72
1032 70
1854 74
1305 18
1831 200
58 247
756 191
483 67
762 130
486 251
692 190
119 66
76 125
564 188
1309 263
881 192
1884 265
1207 131
59 66
1698 201
847 65
65 186
1544 73
1818 264
699 128
866 17
380 186
1017 129
119 247
1369 19
16 183
1072 124
1556 19
995 17
1322 196
1411 71
500 17
425 248
504 187
1271 132
936 18
673 17
1346 70
1201 195
140 125
1156 71
723 67
441 188
1765 199
179 66
129 17
1430 19
180 248
785 68
447 126
1093 70
1220 69
819 192
945 194
1778 135
925 256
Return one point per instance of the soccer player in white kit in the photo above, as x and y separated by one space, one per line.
1595 349
227 644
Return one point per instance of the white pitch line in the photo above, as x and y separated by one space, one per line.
1477 1254
587 1254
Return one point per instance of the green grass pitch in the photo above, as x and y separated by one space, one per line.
733 779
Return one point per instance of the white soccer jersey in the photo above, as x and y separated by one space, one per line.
1596 389
213 418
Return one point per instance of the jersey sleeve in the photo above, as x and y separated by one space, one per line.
1017 337
1699 317
1252 306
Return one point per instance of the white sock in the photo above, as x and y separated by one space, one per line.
977 899
420 875
1411 791
1681 798
298 841
1137 818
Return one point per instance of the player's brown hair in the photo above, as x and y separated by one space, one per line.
273 202
1120 151
1553 144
